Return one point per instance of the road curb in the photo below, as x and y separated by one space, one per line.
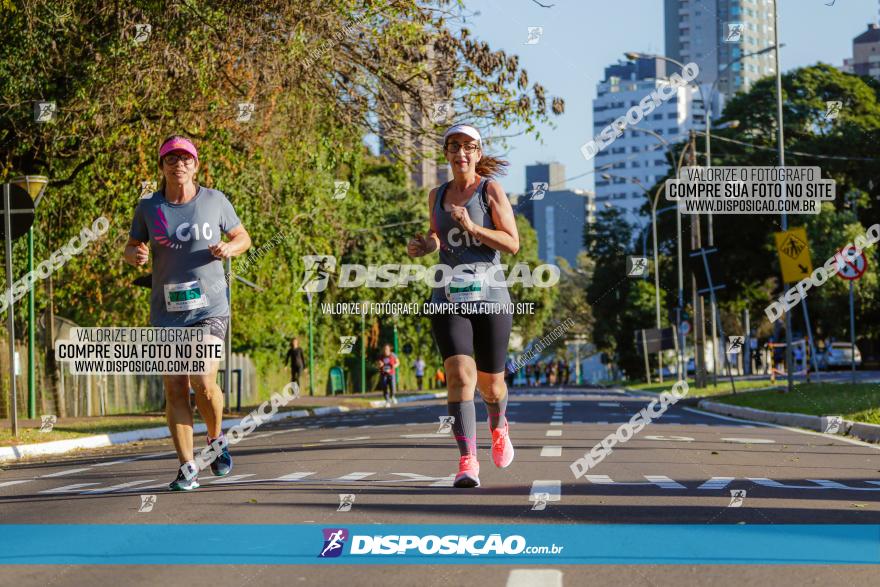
380 403
859 430
57 447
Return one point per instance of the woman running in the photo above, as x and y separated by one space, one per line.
471 223
182 222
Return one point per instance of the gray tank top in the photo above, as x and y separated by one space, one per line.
472 264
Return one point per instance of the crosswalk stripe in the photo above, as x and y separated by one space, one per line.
551 487
67 472
354 477
534 578
294 476
664 482
117 487
551 451
231 479
19 482
68 488
716 483
554 433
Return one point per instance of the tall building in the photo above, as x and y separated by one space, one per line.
552 173
713 33
866 53
638 156
414 131
557 215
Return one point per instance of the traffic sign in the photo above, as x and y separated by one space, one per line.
794 254
685 328
852 265
21 217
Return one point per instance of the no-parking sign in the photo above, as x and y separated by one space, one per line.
852 264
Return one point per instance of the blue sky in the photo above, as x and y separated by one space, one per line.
582 37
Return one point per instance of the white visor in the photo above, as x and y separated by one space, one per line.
464 129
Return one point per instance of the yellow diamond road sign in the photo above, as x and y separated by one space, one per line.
794 254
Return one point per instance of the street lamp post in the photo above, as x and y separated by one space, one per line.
35 185
707 109
781 145
635 181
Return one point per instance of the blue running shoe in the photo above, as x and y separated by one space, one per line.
184 484
222 465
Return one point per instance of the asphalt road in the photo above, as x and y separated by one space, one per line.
680 469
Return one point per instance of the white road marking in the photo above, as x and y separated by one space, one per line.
609 404
19 482
431 435
603 422
819 484
140 458
551 451
553 433
671 438
67 472
664 482
790 429
552 487
353 477
716 483
113 463
556 423
437 481
116 487
299 475
750 440
353 438
231 479
534 578
68 488
659 480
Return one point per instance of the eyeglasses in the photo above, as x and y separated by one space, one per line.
468 147
173 159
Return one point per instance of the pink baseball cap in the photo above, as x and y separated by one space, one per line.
178 144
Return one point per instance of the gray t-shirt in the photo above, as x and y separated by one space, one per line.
189 283
466 255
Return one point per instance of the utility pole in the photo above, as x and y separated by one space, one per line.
781 145
699 315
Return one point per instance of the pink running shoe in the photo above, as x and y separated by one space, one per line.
468 472
502 449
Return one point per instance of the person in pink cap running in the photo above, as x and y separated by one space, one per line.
183 223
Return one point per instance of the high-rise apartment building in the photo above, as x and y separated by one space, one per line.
715 33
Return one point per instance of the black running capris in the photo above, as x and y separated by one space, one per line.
483 336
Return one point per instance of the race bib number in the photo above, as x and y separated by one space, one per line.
466 288
182 297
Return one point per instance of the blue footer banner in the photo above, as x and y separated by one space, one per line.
540 544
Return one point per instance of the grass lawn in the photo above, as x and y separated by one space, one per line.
722 388
860 402
80 427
